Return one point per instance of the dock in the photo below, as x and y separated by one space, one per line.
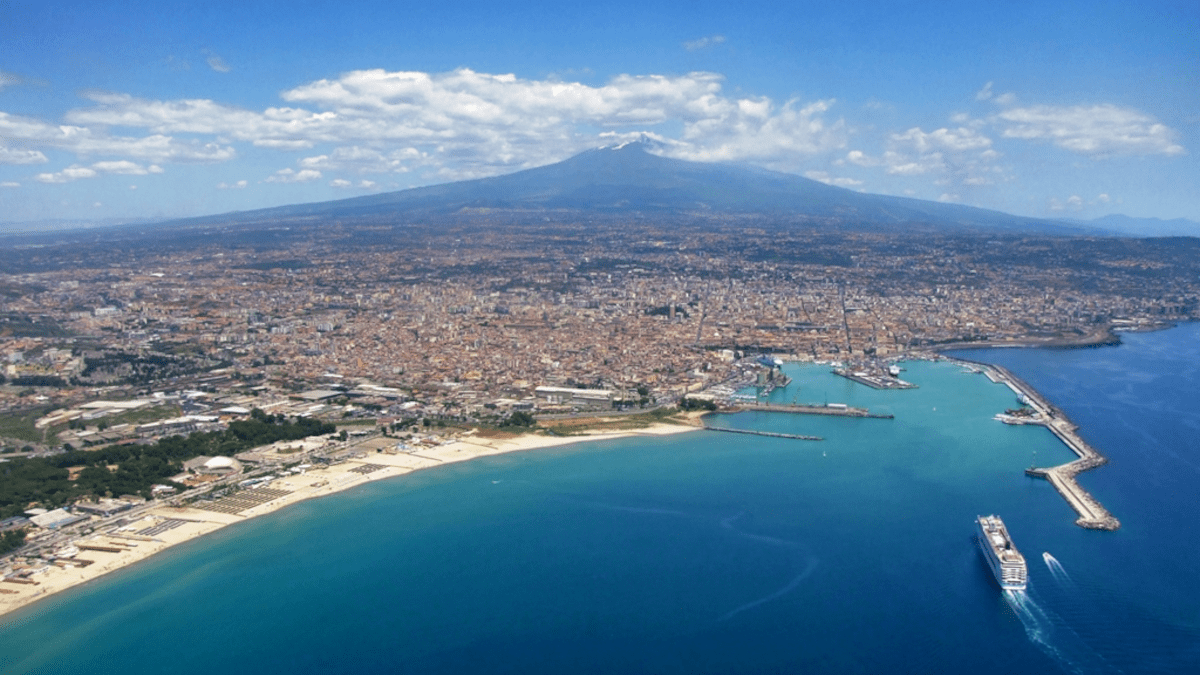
873 381
832 409
1092 514
773 434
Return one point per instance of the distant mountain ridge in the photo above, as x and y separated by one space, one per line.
1144 227
629 178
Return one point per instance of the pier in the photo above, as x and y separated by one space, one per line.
832 409
773 434
1092 514
873 381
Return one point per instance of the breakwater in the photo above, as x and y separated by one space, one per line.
832 409
1092 514
774 434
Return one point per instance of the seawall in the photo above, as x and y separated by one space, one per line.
1092 514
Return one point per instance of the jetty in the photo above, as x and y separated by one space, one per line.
873 381
773 434
1092 514
832 409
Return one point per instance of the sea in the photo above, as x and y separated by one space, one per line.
709 552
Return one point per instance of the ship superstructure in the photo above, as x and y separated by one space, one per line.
1007 563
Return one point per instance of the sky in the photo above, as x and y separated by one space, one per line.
1072 109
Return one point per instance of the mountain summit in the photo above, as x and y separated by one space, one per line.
628 177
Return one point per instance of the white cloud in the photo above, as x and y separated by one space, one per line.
8 79
364 183
946 197
962 154
218 64
704 42
825 178
13 156
985 93
10 184
355 158
73 172
1103 198
293 176
232 186
122 167
340 183
465 123
86 141
1096 130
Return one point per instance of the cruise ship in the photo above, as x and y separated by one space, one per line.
1007 563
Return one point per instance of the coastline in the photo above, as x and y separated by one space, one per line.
117 548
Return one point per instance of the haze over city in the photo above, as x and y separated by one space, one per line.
1076 110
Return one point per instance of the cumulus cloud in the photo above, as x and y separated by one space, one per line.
961 154
14 156
73 172
464 123
232 186
704 43
343 183
120 167
1096 130
293 176
86 141
218 64
1072 203
824 177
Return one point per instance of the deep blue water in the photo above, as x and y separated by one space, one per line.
707 552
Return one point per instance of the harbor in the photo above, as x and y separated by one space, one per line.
1092 514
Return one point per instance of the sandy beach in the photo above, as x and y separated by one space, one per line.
162 527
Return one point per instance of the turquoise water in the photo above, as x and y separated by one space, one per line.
702 553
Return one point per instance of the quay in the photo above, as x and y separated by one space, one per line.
873 381
833 409
1092 514
773 434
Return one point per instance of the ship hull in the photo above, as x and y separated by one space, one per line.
1006 563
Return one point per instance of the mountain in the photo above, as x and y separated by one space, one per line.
630 178
1144 227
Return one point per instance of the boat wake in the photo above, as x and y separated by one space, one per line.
1057 570
1056 639
811 563
791 585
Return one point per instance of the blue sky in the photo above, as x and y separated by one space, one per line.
163 109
